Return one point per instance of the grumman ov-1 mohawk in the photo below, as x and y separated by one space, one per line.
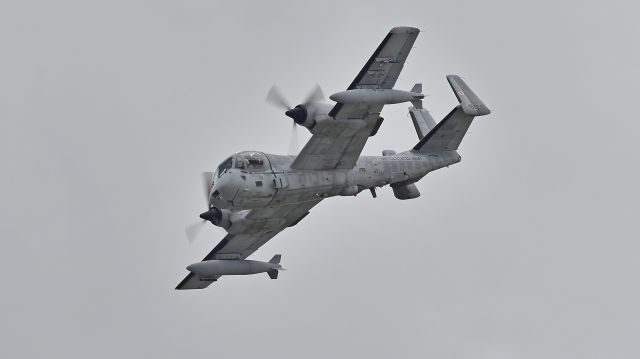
255 195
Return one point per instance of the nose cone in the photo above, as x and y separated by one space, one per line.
223 192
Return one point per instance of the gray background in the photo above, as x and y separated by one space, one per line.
527 249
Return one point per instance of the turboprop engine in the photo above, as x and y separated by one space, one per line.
308 115
219 217
232 221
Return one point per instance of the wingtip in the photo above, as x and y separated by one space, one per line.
404 30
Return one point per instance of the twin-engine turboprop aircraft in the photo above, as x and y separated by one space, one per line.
255 195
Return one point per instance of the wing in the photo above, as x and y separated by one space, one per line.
341 148
241 245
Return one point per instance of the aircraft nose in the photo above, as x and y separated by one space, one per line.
223 192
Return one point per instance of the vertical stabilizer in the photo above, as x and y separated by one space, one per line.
448 133
469 101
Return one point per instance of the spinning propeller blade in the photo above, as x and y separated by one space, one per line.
276 98
316 95
207 182
193 230
293 141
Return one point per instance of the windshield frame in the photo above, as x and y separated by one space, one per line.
223 168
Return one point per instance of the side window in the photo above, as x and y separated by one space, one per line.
225 166
255 163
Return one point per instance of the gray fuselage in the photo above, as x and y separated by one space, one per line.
267 180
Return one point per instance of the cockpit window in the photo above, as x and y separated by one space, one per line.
224 167
250 161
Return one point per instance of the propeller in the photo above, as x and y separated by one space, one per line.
193 230
293 140
316 95
298 114
207 182
276 98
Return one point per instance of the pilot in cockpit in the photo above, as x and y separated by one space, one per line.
250 161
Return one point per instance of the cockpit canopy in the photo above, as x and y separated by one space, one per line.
247 161
250 161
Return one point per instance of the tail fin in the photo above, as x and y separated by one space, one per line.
417 88
448 133
422 121
471 104
273 274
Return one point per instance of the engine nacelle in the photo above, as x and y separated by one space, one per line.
310 114
219 217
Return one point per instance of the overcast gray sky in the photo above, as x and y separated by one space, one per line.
527 249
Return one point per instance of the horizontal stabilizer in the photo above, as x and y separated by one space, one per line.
409 191
471 104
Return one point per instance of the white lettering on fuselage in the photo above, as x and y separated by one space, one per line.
403 158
